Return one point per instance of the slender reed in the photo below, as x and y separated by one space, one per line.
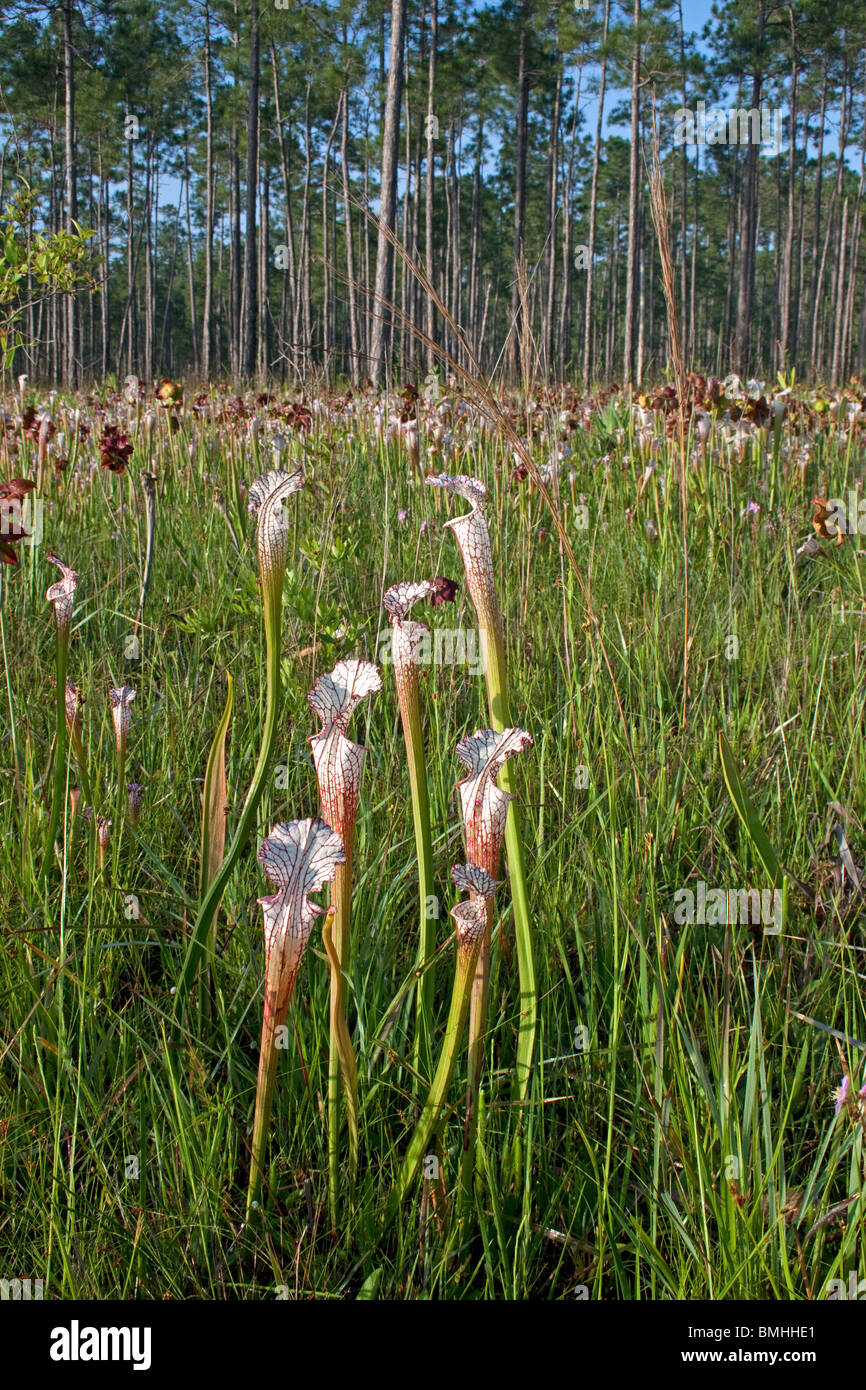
148 483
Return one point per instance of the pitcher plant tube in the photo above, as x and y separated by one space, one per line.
74 704
485 814
473 538
298 857
406 640
267 497
121 697
339 764
61 595
470 920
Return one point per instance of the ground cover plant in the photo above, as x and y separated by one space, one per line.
686 1120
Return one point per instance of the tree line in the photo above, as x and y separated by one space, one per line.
278 189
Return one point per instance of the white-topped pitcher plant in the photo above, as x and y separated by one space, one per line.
339 763
473 538
298 857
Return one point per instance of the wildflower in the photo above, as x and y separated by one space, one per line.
338 760
135 795
115 449
121 698
12 529
823 514
169 393
61 595
338 767
103 837
445 591
485 805
74 701
298 857
406 640
267 497
840 1095
473 538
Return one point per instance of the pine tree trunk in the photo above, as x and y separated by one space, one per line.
326 270
688 346
264 344
475 237
565 303
193 317
593 198
748 228
787 264
405 275
288 293
250 276
71 208
235 258
380 348
429 267
209 204
631 254
351 288
517 329
552 200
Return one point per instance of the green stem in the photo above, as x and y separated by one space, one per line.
493 648
62 651
265 1083
211 899
83 774
410 713
341 896
475 1060
434 1104
119 816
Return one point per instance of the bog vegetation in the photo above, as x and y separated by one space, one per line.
431 781
650 1100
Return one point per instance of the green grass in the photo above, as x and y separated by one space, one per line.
689 1151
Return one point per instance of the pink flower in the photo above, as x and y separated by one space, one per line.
840 1095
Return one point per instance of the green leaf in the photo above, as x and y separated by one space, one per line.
746 811
370 1287
213 817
